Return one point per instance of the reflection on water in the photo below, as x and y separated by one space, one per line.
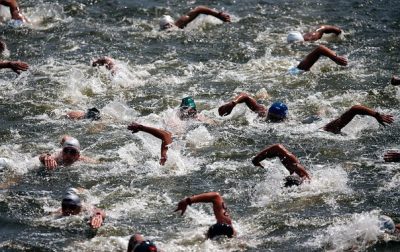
211 62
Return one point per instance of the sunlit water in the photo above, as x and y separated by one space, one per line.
211 61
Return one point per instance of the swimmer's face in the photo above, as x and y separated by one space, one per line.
167 26
70 155
70 210
275 118
187 113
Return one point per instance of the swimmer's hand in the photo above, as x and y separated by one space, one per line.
340 60
392 156
48 161
135 127
226 109
182 205
18 66
96 220
224 16
256 163
382 119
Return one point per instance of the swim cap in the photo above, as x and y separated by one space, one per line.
220 229
72 142
386 224
166 21
71 200
293 180
15 23
278 110
188 102
144 246
93 114
294 36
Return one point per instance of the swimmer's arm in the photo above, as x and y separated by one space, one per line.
165 136
219 208
191 15
251 103
288 159
16 66
392 156
329 29
336 125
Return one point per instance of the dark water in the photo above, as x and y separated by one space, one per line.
212 62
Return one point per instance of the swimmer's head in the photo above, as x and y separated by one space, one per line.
293 181
220 229
294 36
71 143
386 224
135 245
166 22
277 112
93 114
187 109
71 203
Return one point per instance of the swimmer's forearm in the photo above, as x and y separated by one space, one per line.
329 29
5 64
213 197
164 135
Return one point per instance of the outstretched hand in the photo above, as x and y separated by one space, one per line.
134 127
182 205
392 156
382 119
96 221
226 109
340 60
257 163
18 66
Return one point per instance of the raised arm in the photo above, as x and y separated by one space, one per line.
191 15
251 103
317 34
336 125
165 136
289 160
14 10
321 50
16 66
97 218
219 207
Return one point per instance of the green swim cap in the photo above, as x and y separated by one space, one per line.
188 102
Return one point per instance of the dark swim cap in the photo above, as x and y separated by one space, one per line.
188 102
93 114
220 229
144 246
293 181
278 110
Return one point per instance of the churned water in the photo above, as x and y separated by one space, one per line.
211 61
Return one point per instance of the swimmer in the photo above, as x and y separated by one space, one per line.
14 10
165 136
313 57
16 66
69 154
336 125
166 22
395 81
289 160
107 62
392 156
92 114
71 205
277 112
224 221
137 243
313 36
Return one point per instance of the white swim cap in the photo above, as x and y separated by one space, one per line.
165 21
295 36
72 142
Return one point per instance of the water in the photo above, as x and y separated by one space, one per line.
212 62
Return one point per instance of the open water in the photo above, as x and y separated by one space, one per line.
211 61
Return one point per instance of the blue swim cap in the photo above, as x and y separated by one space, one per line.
278 110
386 224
